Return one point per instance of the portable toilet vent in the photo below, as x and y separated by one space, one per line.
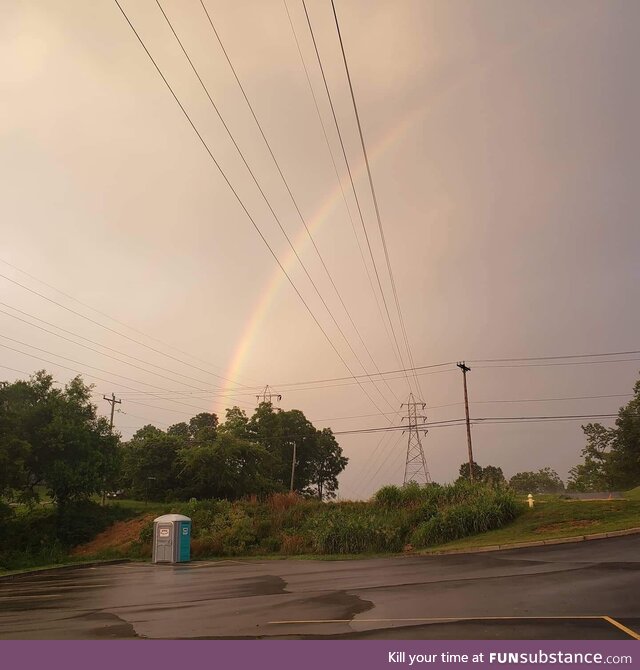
171 539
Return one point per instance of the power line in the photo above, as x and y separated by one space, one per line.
101 353
263 194
355 193
547 365
420 371
97 323
291 196
92 376
97 311
375 198
240 202
338 178
551 358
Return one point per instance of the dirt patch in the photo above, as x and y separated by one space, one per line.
118 536
565 525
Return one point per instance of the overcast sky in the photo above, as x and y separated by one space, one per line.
504 148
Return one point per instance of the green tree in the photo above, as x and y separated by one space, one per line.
611 455
203 428
149 464
236 422
624 465
594 473
327 462
493 476
54 437
476 469
230 468
544 480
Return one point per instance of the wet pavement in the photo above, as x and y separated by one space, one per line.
586 590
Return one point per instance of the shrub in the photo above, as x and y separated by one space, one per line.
388 496
485 510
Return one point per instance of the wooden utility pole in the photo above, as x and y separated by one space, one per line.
113 402
466 369
293 466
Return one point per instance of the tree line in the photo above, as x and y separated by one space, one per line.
53 438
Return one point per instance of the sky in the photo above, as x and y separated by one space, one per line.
505 156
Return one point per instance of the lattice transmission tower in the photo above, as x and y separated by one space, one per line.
415 469
268 395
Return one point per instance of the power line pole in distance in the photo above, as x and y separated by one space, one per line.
466 369
113 402
267 395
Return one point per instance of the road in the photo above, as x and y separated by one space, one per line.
572 591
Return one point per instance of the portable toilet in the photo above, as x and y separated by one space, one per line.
171 539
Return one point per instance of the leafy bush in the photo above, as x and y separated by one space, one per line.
485 510
388 496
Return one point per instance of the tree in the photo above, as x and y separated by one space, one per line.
493 476
326 464
624 465
236 422
544 480
476 469
180 430
594 473
149 464
53 437
203 428
611 455
230 468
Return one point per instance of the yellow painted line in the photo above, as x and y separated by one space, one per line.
435 619
622 627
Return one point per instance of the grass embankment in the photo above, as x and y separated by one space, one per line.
558 519
286 525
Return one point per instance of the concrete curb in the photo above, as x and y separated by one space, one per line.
537 543
62 568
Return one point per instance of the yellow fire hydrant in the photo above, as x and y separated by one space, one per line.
530 500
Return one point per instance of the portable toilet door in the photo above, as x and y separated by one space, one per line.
184 541
163 542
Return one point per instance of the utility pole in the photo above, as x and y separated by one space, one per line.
113 402
293 466
267 395
466 369
415 469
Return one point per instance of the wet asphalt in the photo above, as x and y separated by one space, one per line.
552 592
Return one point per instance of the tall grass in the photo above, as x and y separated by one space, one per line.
395 517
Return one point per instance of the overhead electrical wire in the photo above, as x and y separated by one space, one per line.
338 178
99 344
97 323
101 353
240 201
355 193
292 197
266 200
92 376
97 311
375 198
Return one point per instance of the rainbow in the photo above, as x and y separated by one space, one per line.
329 206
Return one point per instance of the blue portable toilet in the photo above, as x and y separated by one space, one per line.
171 539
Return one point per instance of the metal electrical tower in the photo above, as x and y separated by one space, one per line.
415 469
267 395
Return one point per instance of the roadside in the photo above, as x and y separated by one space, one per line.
556 520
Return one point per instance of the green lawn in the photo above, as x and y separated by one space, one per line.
558 519
634 494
